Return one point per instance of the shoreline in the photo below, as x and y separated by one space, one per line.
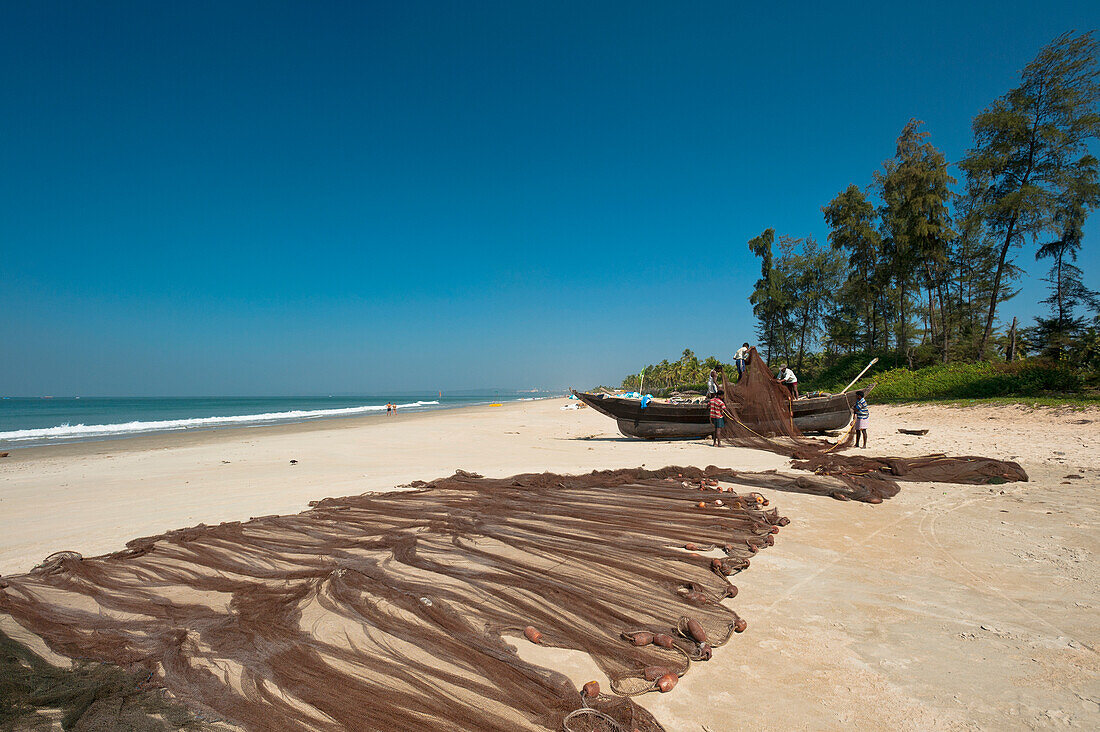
63 441
204 435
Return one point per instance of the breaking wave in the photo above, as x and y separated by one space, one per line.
88 431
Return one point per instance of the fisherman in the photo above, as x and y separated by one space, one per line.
712 384
740 358
863 418
787 378
717 410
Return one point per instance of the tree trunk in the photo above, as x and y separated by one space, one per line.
997 285
944 324
1010 352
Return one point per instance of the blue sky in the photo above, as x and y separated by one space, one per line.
310 198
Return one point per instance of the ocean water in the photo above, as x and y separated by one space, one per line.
29 422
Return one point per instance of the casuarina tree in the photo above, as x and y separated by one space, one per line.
1029 146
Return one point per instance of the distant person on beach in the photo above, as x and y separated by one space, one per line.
740 358
863 418
787 378
717 410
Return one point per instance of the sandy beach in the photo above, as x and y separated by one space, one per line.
946 607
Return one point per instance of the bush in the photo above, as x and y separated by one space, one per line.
973 381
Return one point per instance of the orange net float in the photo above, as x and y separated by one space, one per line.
532 634
695 630
663 640
667 683
740 625
639 638
591 689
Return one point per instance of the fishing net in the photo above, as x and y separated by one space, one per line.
405 610
757 399
35 695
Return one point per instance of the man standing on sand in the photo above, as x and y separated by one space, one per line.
717 416
740 358
787 378
863 418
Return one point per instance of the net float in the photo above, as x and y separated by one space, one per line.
641 638
717 566
775 529
695 629
705 652
718 502
666 683
532 634
730 591
740 625
592 689
663 640
691 546
701 504
769 540
652 673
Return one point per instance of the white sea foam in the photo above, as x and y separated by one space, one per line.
86 431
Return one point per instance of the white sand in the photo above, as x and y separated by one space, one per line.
945 607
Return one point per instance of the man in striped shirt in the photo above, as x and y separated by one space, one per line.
717 410
863 418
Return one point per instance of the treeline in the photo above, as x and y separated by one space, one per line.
918 263
688 371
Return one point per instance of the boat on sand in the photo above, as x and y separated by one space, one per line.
666 420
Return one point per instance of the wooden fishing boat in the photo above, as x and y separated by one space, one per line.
664 420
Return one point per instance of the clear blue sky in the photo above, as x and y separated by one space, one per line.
318 197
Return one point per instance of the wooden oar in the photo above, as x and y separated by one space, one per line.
861 373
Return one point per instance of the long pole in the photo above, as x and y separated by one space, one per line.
861 373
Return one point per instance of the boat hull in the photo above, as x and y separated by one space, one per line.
662 421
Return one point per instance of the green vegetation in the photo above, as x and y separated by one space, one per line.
912 262
915 271
956 381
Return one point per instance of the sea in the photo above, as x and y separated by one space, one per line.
36 421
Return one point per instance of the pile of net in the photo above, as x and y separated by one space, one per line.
759 415
405 610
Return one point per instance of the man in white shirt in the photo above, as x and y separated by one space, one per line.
739 359
787 378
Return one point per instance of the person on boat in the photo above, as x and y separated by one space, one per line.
863 418
740 358
787 378
717 418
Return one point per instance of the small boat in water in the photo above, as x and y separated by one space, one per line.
666 420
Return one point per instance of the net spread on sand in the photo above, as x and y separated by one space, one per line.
759 416
401 610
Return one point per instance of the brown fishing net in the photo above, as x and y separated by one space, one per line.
760 401
401 611
35 695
